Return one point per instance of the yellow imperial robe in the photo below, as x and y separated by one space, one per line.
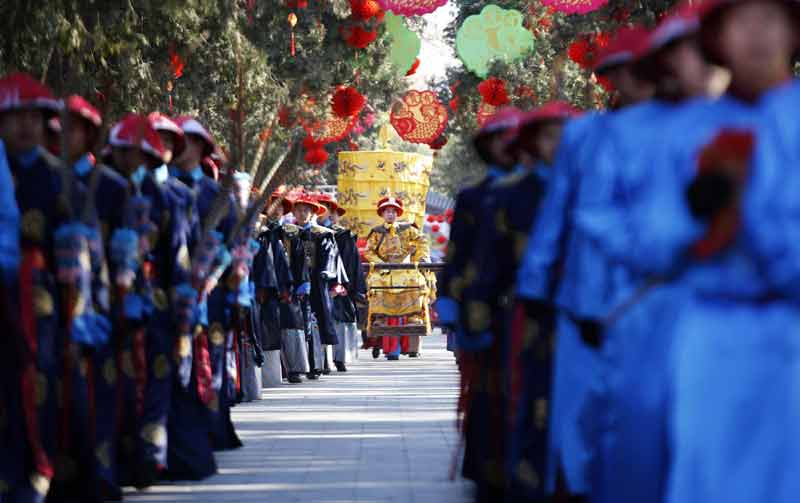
397 243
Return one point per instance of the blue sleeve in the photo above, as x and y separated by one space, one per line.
542 253
771 208
638 215
9 219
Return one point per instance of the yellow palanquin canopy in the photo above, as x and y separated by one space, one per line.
367 176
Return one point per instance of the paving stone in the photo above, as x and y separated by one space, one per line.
381 433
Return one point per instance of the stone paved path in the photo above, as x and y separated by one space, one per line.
382 432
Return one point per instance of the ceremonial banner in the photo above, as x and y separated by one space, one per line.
367 176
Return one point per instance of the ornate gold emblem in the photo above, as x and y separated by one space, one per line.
32 225
183 257
154 434
126 361
184 346
528 475
478 315
110 371
103 454
161 367
160 299
216 335
40 483
42 302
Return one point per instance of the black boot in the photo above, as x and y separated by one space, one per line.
340 366
376 352
294 378
313 376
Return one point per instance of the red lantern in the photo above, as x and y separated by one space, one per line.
419 118
359 38
411 71
493 91
347 102
364 10
317 156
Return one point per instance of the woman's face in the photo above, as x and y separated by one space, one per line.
390 215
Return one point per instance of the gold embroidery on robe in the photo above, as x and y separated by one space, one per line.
154 434
32 225
160 367
42 302
215 334
397 244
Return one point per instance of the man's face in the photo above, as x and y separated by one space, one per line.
390 215
756 40
686 69
630 89
547 139
334 216
193 153
127 159
168 140
500 151
277 211
78 137
303 213
22 129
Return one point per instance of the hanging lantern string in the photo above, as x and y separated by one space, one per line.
292 24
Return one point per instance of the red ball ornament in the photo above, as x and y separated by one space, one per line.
441 240
317 156
449 220
414 66
364 10
359 38
347 102
454 104
493 91
435 227
440 218
431 218
309 143
449 212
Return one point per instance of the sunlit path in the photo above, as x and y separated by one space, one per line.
382 432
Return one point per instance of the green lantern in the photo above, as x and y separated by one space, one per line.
495 33
405 44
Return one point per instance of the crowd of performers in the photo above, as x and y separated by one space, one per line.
142 298
624 283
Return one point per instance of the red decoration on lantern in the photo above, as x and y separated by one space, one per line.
441 240
331 129
435 227
493 91
431 218
413 68
420 117
449 212
317 156
347 102
359 38
440 218
297 4
364 10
